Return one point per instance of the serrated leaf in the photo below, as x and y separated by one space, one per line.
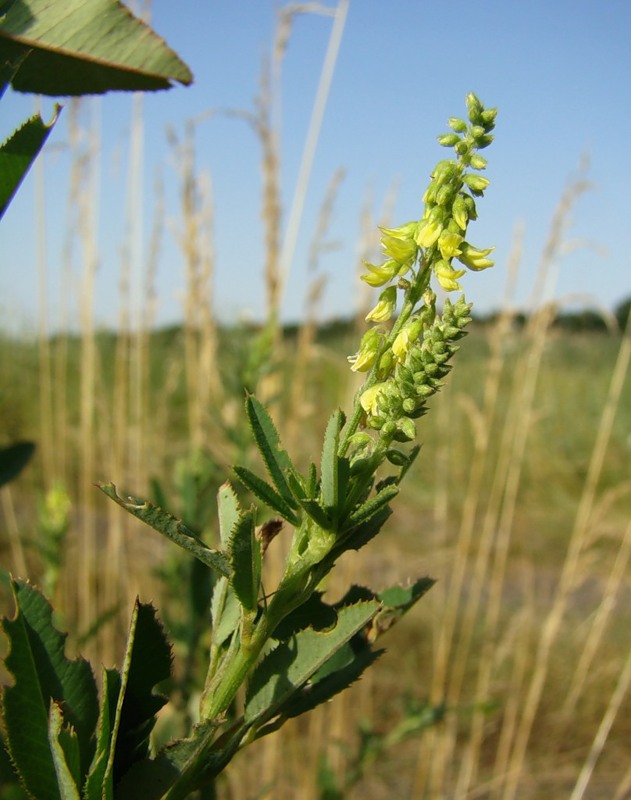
228 512
147 663
225 612
171 527
361 534
86 47
64 747
334 681
178 768
266 494
267 439
314 510
42 674
292 663
314 613
98 785
246 562
17 154
397 601
334 469
14 458
373 506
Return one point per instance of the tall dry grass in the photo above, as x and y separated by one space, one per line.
519 640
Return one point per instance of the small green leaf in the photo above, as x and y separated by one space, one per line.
266 494
334 469
64 747
314 510
267 439
292 663
229 512
373 506
246 562
86 47
42 674
17 154
14 458
171 527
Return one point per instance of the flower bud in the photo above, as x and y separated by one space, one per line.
457 124
477 183
474 108
459 212
449 139
371 397
406 430
428 233
478 161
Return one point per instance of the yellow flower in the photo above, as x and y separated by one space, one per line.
449 244
370 398
475 259
380 275
385 307
448 276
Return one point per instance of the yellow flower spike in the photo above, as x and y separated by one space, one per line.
385 307
370 398
449 244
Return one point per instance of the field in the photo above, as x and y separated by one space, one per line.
510 678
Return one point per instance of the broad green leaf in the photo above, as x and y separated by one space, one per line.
341 671
99 785
8 68
229 512
147 663
266 494
14 458
171 527
42 674
267 439
64 747
85 47
246 562
292 663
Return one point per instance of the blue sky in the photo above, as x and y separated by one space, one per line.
559 72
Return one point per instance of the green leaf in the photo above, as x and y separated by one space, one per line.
14 458
17 154
314 510
147 663
267 439
100 783
42 674
292 663
64 747
85 47
373 506
266 494
360 535
334 469
178 768
229 512
225 612
171 527
246 562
